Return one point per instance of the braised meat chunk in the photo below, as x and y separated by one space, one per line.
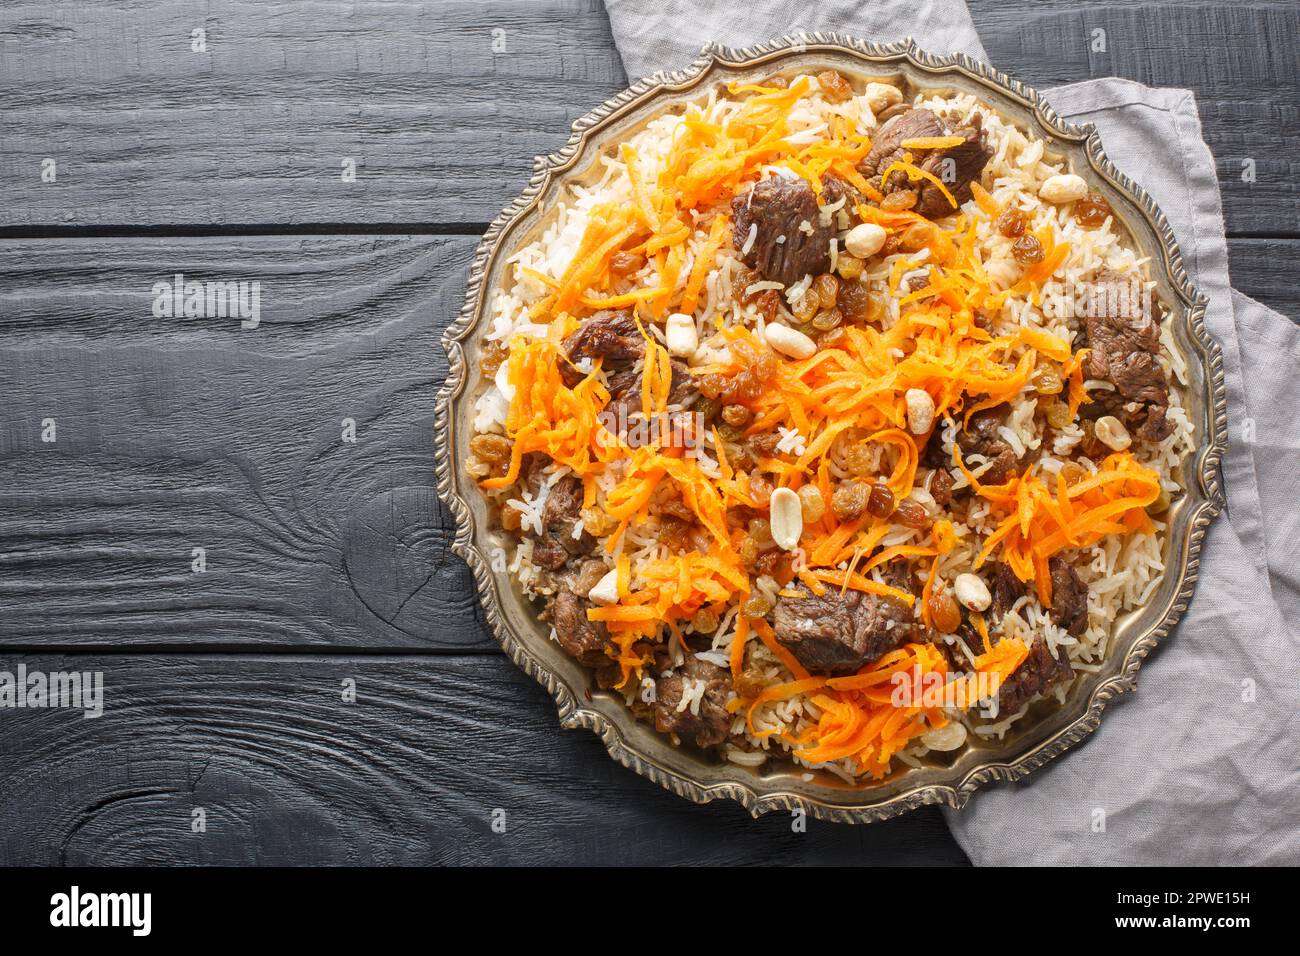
1069 597
831 634
980 437
1006 587
955 166
790 240
1125 339
560 515
582 639
684 707
1039 673
613 338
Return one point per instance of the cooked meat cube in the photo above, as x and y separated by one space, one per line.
610 336
831 634
1039 672
1069 597
980 437
1006 587
789 238
563 511
554 546
706 720
956 167
886 144
582 639
1124 344
625 387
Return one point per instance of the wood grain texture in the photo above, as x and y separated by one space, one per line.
442 128
411 772
175 433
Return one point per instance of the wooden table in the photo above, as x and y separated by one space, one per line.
139 141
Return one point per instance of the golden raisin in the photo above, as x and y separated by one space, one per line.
828 287
825 321
494 354
911 513
849 267
899 199
880 503
850 499
1027 250
945 615
757 605
835 87
916 236
1091 211
491 448
811 503
806 306
511 518
737 416
623 264
705 620
1012 223
1048 382
1058 414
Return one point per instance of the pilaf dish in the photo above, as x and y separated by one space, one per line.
831 424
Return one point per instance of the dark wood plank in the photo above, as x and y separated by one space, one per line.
287 773
442 126
443 129
1267 270
1241 59
174 434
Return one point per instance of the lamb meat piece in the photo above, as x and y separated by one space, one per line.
1125 340
613 338
1006 587
886 144
625 387
581 639
1039 672
563 511
957 166
834 634
1069 597
980 437
789 238
608 335
707 723
556 544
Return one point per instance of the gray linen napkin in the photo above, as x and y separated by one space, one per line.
1202 764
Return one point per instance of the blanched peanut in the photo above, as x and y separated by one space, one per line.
865 240
680 334
920 411
1066 188
789 341
605 591
786 518
972 592
945 738
1110 431
881 96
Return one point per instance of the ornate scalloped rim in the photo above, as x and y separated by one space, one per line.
751 796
